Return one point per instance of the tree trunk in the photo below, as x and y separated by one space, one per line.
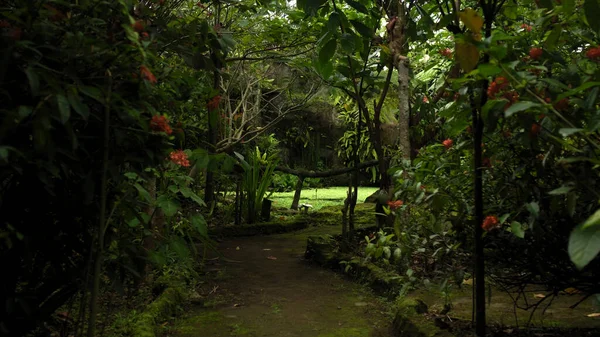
296 200
398 47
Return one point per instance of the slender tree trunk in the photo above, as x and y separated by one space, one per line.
398 47
297 193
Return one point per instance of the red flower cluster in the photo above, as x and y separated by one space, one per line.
395 204
593 54
448 143
535 53
213 103
180 158
498 85
147 74
138 26
446 52
512 97
490 222
160 124
526 27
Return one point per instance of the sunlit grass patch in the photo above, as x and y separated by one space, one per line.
320 197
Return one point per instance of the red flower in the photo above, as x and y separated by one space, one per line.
561 105
138 26
512 98
526 27
160 124
535 129
145 35
535 53
448 143
147 74
180 158
425 99
446 52
593 54
498 85
395 204
213 103
490 222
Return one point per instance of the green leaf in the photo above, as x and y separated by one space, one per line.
169 206
143 192
577 90
199 224
533 208
503 218
517 229
327 52
34 81
592 13
584 245
92 92
333 24
348 43
77 105
358 6
520 106
487 69
593 220
552 39
561 190
188 193
63 107
568 6
24 112
362 29
311 6
566 132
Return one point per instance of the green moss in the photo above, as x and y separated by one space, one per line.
263 228
198 322
143 324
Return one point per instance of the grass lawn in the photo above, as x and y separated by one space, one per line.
320 197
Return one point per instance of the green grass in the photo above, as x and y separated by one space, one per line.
320 197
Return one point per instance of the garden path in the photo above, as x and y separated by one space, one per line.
273 292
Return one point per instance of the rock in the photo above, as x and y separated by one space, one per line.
321 249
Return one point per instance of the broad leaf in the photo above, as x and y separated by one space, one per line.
593 220
143 192
78 106
64 108
584 245
362 29
34 81
348 42
199 224
566 132
561 190
168 205
467 55
358 6
517 229
327 51
520 106
471 19
592 13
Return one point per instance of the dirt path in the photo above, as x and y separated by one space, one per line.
272 291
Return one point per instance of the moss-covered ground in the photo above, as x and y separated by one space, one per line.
267 289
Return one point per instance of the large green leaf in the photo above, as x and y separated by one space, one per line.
592 13
584 245
77 105
517 229
520 106
333 24
593 220
168 205
64 108
327 51
199 224
348 42
362 29
358 6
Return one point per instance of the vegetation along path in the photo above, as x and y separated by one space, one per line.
271 291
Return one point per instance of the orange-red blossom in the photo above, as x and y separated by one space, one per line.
490 222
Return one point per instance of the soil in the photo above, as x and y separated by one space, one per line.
265 288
